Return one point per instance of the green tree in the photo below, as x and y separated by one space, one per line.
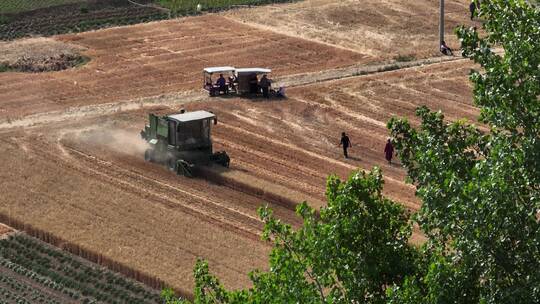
350 252
480 192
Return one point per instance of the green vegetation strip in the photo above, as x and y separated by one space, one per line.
187 6
56 270
18 6
11 285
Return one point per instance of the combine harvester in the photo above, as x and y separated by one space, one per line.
182 142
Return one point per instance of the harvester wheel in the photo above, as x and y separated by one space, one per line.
184 169
149 155
222 158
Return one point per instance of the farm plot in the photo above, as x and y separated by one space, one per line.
159 58
106 199
33 272
385 29
86 180
51 17
294 142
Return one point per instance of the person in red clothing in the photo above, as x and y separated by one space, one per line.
389 151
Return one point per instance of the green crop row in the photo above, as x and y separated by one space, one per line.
27 292
187 6
60 271
17 6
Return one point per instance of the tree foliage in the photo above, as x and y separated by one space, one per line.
480 193
350 252
480 190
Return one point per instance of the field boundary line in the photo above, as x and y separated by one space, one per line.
359 70
102 109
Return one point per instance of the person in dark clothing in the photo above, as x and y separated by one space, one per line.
222 84
265 86
389 151
472 9
346 143
445 49
253 83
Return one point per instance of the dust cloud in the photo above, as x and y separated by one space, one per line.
121 141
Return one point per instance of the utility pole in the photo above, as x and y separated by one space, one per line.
441 23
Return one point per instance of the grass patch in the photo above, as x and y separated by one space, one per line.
404 58
4 67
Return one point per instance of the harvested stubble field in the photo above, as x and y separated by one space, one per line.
382 29
158 58
86 180
79 173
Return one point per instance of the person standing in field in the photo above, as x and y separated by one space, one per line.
389 151
346 143
264 83
472 9
446 50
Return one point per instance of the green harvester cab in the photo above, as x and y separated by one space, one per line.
182 141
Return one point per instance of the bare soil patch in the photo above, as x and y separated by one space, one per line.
39 55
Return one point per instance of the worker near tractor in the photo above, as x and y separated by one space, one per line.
233 81
264 84
281 92
253 83
346 143
389 151
446 50
222 84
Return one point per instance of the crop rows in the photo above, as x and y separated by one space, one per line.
190 6
81 17
20 292
16 6
77 22
62 273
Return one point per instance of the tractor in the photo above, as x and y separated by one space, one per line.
182 142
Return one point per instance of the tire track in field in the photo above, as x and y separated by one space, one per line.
205 207
167 195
